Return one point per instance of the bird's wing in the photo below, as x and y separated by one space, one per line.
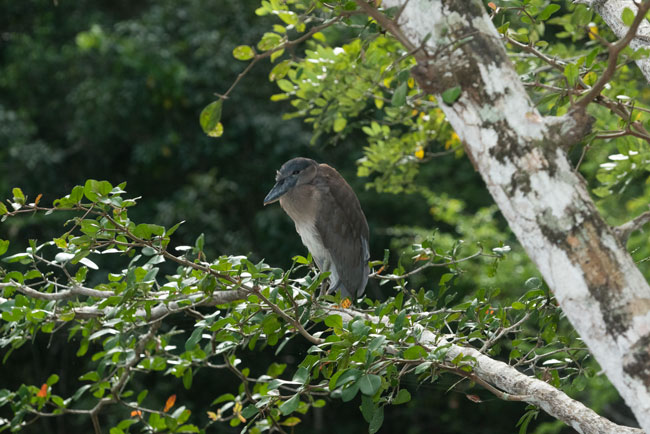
344 231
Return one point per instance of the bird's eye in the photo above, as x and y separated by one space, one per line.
295 172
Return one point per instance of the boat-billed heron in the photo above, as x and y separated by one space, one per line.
329 220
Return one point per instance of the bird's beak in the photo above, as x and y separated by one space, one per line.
276 192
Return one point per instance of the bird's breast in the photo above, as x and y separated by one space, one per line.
313 241
302 206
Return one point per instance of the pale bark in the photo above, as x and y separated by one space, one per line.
611 11
511 381
547 205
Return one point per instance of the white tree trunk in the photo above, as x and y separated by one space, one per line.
520 156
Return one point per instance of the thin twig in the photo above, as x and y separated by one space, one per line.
285 45
395 277
386 23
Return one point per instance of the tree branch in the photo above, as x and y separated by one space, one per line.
508 383
624 231
62 295
614 52
611 11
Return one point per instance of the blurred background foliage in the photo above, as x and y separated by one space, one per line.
113 90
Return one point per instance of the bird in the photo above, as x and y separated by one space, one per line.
329 220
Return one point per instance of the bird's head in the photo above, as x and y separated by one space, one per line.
293 173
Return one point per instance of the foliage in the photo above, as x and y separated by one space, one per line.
126 324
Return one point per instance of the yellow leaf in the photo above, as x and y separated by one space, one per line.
419 153
291 421
387 81
379 103
339 124
319 36
217 131
590 78
453 141
593 31
411 82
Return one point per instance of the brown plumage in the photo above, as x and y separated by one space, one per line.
329 220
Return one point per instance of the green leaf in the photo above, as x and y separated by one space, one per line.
377 420
579 383
223 398
298 259
422 367
403 396
89 376
301 376
399 322
415 352
52 380
276 369
581 16
210 117
4 245
517 305
571 72
269 41
369 384
142 395
249 411
376 343
187 379
80 391
243 52
3 209
367 408
533 283
285 85
290 405
348 393
58 401
548 11
19 197
280 70
200 242
194 339
289 17
450 95
339 124
628 16
399 96
345 377
334 321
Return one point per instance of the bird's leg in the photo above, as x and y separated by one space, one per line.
324 288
